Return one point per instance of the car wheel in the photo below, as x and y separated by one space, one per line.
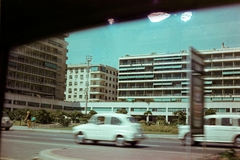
237 141
133 143
95 141
79 138
7 128
120 141
188 140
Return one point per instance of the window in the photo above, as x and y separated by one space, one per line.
226 122
210 121
154 109
100 120
115 121
80 96
76 76
75 83
59 60
69 96
70 76
82 70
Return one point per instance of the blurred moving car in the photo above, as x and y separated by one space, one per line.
223 128
118 128
6 122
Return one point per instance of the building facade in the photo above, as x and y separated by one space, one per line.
38 68
100 83
18 101
164 77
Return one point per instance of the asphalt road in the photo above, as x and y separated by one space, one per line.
23 145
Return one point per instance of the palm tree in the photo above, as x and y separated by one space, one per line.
122 111
181 116
147 113
160 120
209 111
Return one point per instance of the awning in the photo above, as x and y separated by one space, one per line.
207 82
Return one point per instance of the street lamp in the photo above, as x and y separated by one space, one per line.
88 59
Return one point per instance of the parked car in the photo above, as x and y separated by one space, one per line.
224 128
6 122
118 128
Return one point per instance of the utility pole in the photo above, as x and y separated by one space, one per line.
88 59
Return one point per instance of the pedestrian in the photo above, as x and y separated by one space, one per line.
28 119
33 121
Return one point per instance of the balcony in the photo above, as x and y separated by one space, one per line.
33 81
28 89
97 92
29 71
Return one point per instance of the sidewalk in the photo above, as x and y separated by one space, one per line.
74 153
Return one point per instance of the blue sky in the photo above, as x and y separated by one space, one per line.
206 29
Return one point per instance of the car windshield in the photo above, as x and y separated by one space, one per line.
132 119
92 120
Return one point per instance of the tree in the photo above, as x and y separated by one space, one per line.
122 111
18 114
209 111
147 113
91 113
137 117
160 120
75 115
56 115
43 116
182 116
149 100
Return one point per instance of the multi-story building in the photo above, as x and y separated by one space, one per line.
100 83
164 77
38 68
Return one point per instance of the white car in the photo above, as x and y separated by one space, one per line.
223 128
118 128
6 122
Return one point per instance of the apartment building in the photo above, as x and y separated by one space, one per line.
99 82
164 77
38 68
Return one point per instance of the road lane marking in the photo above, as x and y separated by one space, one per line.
16 136
4 158
61 139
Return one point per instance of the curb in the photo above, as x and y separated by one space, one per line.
49 155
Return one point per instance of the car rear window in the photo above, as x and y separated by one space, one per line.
131 119
210 121
226 122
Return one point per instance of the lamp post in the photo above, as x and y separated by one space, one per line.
88 59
